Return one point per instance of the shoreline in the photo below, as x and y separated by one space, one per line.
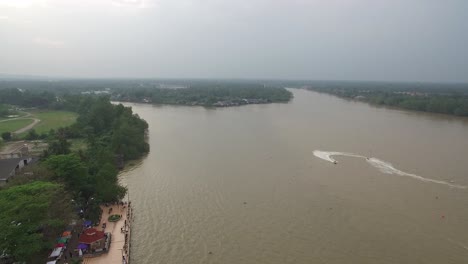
219 104
119 249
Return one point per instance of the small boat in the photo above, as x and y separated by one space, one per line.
334 162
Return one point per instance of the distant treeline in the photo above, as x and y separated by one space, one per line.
206 95
451 99
36 206
447 98
31 98
5 110
47 94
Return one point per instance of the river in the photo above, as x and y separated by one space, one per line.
242 185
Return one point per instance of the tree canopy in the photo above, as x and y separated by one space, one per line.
207 94
29 210
33 207
449 101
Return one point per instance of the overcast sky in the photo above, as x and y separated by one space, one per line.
394 40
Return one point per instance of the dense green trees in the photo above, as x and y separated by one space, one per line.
29 213
452 102
32 135
128 137
40 99
47 94
71 170
112 132
206 94
6 136
111 127
85 181
58 147
28 204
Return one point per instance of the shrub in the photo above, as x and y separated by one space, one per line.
6 136
114 218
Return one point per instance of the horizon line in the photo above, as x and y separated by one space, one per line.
24 77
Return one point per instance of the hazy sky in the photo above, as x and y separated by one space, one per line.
404 40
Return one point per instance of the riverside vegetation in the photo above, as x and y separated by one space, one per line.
63 184
209 93
451 99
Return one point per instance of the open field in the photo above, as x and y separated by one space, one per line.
14 124
52 120
46 120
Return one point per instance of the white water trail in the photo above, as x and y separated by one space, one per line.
327 155
381 165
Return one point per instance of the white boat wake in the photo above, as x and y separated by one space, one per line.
381 165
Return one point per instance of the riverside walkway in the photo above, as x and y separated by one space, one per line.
119 251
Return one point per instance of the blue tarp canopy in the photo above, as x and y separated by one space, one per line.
82 246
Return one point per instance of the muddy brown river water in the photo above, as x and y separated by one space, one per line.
242 185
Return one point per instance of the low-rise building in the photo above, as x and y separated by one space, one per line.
10 167
95 239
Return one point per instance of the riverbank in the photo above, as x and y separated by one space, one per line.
119 250
421 99
207 95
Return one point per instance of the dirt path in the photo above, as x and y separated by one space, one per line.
26 128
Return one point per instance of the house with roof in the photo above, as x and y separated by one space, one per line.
10 167
95 239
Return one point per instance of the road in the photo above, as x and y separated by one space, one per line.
26 128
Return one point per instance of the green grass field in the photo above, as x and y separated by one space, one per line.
13 125
49 120
53 120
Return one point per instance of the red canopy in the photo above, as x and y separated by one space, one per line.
90 236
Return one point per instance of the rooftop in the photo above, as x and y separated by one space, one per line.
91 235
7 166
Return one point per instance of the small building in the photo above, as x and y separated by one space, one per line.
94 238
10 167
